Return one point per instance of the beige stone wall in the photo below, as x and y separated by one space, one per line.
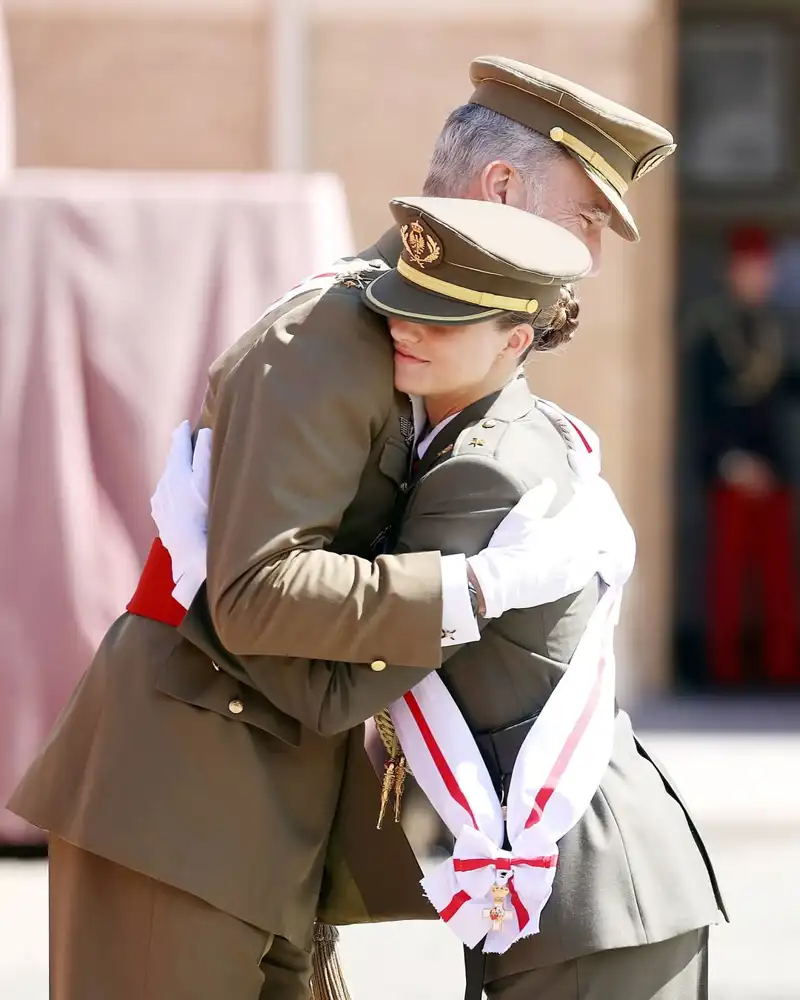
188 84
126 91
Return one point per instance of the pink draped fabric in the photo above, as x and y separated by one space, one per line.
116 293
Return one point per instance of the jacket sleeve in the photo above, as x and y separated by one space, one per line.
294 421
454 509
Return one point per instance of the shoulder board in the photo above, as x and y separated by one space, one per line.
358 273
482 438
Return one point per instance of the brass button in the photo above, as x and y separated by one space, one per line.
488 424
378 665
235 707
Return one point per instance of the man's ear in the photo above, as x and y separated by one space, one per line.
495 179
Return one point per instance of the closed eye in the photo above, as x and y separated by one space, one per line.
596 217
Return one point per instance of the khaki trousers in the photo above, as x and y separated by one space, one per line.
118 935
676 969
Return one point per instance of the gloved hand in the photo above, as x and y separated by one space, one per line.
179 507
615 537
532 559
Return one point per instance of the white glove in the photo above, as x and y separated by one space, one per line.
615 537
533 560
179 507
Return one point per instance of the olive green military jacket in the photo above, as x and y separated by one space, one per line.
634 870
169 759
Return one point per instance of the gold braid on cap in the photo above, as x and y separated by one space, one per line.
395 769
488 300
592 157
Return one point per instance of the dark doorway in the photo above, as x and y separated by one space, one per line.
739 170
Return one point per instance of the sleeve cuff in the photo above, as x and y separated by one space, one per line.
459 624
186 588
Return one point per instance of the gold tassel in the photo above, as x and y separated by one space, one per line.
386 790
395 769
386 731
327 978
399 784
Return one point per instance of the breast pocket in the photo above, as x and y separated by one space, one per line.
394 460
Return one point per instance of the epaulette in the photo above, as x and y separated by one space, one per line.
359 280
361 273
481 439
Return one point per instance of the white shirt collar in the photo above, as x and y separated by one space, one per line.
419 414
425 443
420 420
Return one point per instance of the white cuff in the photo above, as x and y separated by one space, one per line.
459 624
186 588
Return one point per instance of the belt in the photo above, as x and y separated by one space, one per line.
153 597
499 749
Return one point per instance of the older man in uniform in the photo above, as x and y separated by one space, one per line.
190 818
634 889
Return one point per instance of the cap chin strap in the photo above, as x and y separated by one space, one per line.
487 300
592 157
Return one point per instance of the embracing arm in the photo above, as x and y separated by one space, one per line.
454 510
293 425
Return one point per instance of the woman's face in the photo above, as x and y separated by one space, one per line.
450 360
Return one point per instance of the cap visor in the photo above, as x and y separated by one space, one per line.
392 295
622 221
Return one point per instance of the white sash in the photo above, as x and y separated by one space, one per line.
484 890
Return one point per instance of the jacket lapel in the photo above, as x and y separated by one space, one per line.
442 445
512 401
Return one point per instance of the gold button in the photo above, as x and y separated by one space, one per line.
235 707
378 665
488 424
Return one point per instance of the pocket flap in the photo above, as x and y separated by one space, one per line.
394 460
190 676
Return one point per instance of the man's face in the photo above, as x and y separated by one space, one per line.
574 202
567 197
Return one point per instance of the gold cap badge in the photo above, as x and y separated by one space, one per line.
421 246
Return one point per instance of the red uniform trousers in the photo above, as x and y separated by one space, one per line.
753 536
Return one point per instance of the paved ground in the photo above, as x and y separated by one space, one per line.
746 793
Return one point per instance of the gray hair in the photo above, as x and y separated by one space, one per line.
474 136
